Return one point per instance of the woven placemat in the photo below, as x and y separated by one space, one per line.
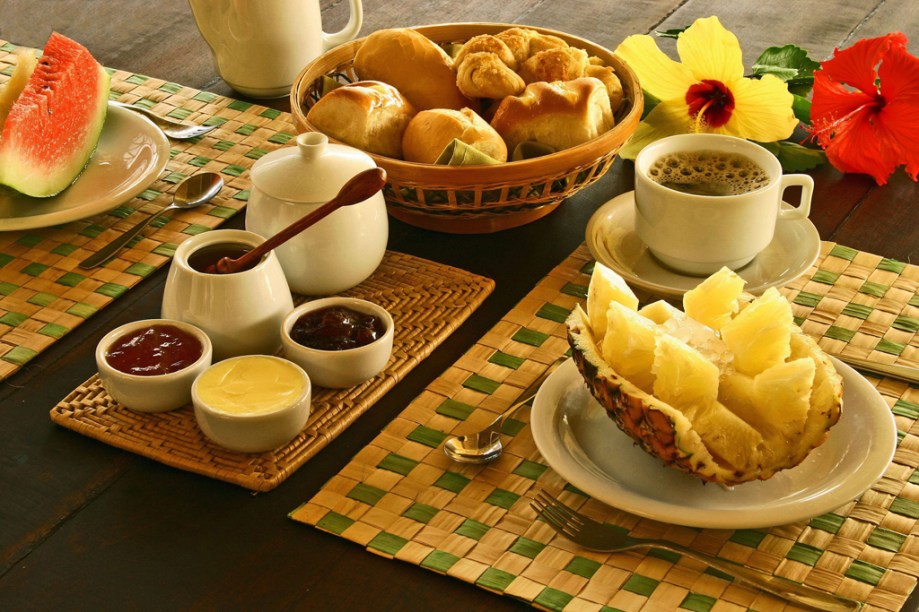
428 301
44 295
401 497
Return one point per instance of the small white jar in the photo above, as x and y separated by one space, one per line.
252 403
345 368
154 393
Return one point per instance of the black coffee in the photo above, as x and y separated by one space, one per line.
708 173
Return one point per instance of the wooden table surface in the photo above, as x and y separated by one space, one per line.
87 526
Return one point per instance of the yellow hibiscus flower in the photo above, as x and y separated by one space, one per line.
707 92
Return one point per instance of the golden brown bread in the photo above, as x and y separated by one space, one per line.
414 65
612 82
368 115
486 43
560 114
484 75
432 130
562 64
524 42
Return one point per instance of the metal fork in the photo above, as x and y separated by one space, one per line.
173 129
591 534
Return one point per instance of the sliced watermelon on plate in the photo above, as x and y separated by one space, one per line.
54 124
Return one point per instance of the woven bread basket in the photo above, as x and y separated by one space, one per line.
481 199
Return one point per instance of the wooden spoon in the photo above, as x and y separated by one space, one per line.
359 188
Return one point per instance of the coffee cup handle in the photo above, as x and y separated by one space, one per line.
349 32
806 183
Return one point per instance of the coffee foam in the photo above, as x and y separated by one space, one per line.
708 172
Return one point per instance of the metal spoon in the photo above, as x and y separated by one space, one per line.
172 129
196 189
485 446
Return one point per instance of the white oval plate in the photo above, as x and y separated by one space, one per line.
581 443
612 241
130 155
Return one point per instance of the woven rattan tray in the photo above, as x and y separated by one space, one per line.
428 301
400 497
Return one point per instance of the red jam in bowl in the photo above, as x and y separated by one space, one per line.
154 350
336 328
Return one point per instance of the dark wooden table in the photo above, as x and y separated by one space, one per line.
87 526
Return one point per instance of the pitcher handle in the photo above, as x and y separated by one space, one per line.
806 183
349 32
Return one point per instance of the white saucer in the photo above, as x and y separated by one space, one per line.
130 155
585 447
612 241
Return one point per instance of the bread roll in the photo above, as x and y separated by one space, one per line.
486 43
429 133
414 65
612 82
560 114
485 75
562 64
524 42
368 115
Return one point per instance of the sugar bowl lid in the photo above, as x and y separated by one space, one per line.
312 171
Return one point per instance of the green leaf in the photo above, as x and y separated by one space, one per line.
794 157
650 103
674 33
789 63
802 109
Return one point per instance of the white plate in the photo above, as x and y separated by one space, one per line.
581 443
612 241
130 156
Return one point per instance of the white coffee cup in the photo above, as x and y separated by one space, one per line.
699 234
260 46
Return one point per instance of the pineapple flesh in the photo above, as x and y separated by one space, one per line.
729 389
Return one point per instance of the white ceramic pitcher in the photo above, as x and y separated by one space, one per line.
260 46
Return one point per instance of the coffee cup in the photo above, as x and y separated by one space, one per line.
260 46
707 201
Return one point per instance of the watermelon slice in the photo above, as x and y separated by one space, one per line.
54 125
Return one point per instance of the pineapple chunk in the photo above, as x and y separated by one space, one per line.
661 312
776 401
715 300
783 395
736 392
760 335
628 345
683 377
727 437
606 286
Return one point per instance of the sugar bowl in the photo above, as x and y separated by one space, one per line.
342 249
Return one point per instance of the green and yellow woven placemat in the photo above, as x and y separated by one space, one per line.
44 295
401 497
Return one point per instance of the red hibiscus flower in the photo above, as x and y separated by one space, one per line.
865 110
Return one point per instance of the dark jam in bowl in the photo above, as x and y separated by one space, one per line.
154 350
336 328
208 256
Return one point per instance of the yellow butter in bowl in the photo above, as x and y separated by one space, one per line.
252 403
255 385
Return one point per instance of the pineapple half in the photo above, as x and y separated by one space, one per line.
729 390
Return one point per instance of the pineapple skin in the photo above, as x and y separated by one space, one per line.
665 433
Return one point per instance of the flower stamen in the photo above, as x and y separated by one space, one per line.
710 101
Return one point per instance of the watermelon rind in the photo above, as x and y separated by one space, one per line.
54 125
25 65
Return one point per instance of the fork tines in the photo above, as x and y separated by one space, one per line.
559 516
